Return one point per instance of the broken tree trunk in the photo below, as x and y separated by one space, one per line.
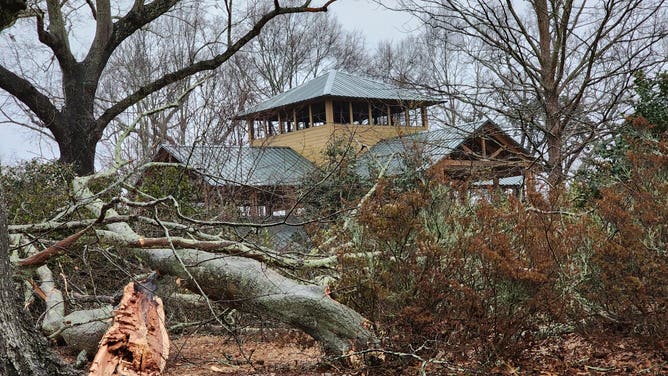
251 287
137 342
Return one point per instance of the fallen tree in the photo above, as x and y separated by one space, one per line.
219 270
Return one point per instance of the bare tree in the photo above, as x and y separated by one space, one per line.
429 61
290 50
70 113
210 101
557 69
300 47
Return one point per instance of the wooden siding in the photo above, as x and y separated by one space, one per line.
311 142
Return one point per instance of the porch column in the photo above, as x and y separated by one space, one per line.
425 119
251 130
329 112
370 114
310 117
389 115
294 119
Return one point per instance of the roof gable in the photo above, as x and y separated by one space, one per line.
339 84
243 165
430 146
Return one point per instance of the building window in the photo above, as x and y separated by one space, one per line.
302 116
287 121
379 113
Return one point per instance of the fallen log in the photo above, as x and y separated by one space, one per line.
137 342
250 286
81 329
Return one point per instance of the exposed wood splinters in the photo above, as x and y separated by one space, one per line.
137 342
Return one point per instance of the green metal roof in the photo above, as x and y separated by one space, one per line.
432 145
340 84
244 165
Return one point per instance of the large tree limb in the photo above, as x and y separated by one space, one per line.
28 94
203 65
252 287
103 29
211 243
41 257
55 35
139 16
223 246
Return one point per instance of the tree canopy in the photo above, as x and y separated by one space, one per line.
72 113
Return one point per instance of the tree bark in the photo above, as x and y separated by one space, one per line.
77 137
251 287
23 351
9 10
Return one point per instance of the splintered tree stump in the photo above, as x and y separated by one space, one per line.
137 342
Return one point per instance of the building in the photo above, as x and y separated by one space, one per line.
480 154
336 105
259 181
388 125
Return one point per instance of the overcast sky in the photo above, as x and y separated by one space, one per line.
375 22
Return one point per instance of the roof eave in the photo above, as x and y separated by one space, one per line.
269 111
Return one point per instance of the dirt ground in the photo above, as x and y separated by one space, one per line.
288 353
291 353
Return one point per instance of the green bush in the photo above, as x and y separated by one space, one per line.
36 191
161 182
